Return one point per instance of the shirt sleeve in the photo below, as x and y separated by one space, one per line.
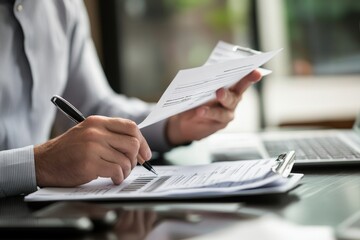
17 171
88 88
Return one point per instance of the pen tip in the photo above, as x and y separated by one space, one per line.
149 167
153 171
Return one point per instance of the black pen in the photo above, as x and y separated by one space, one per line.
71 112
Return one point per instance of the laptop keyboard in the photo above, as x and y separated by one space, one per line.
312 148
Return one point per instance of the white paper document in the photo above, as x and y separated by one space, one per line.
220 179
225 51
192 87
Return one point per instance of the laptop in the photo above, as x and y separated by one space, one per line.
313 147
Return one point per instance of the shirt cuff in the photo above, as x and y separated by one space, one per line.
17 171
156 137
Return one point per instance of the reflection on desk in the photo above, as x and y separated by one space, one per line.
327 197
184 221
138 221
172 221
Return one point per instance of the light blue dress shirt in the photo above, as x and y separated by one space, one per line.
46 49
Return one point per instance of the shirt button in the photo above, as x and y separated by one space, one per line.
19 7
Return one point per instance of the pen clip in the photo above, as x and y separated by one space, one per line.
284 164
68 109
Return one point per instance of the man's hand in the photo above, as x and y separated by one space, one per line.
97 147
202 121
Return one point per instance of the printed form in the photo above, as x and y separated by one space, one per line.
209 180
192 87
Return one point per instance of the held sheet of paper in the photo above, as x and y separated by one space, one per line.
209 180
192 87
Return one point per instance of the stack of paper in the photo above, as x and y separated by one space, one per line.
220 179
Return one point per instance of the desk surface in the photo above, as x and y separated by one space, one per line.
325 197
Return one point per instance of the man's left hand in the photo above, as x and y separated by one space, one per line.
202 121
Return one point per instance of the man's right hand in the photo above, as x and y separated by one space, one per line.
97 147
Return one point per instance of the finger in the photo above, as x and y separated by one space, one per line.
144 151
246 82
112 155
216 114
227 98
124 126
116 147
127 145
140 159
117 172
110 170
126 168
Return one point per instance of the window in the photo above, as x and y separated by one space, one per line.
324 36
316 77
160 37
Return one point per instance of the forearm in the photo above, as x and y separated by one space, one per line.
17 171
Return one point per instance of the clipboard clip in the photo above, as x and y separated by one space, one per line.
245 51
284 164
